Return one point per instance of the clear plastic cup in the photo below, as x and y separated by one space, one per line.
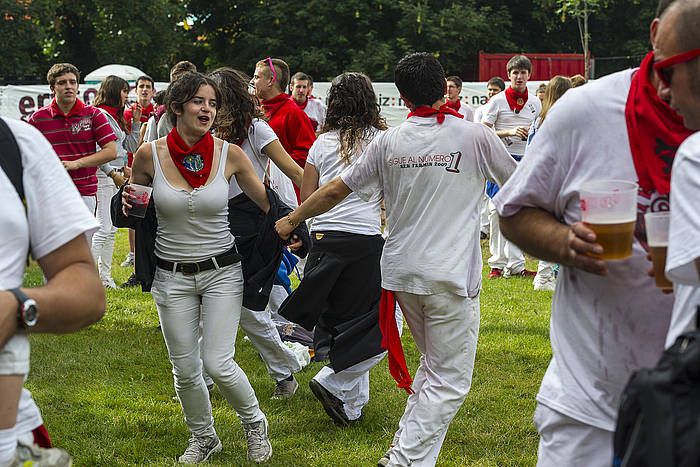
657 238
609 208
140 203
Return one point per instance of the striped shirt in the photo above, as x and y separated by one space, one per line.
74 136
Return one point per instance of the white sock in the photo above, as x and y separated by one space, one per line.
8 444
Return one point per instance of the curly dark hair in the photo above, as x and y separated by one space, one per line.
184 89
353 112
237 108
110 93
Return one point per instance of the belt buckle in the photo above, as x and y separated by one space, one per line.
192 268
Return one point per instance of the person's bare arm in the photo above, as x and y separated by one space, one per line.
322 200
72 298
520 132
142 171
310 182
284 161
106 154
539 233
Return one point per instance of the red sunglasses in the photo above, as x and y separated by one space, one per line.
664 68
272 68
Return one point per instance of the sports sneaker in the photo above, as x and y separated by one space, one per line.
109 283
495 273
285 389
32 455
331 404
525 273
384 461
128 261
544 283
132 281
259 447
200 449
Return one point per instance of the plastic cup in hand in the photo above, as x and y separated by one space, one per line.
609 208
657 238
140 203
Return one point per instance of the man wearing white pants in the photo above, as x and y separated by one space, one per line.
431 171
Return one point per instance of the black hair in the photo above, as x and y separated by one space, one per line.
184 89
420 78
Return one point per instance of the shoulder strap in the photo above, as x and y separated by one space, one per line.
10 159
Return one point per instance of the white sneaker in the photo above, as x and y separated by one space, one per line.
32 455
259 447
128 261
544 283
200 449
109 283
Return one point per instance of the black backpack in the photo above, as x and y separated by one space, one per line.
11 160
659 419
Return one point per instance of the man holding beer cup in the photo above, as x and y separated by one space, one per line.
608 318
677 51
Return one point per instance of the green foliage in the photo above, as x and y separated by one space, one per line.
22 27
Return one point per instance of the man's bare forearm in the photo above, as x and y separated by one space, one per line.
321 200
537 232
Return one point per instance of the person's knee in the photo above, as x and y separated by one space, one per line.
218 367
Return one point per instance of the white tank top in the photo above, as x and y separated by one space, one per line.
192 226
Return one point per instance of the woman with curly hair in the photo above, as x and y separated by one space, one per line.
342 277
240 121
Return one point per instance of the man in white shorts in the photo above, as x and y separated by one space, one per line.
56 220
677 52
431 171
608 318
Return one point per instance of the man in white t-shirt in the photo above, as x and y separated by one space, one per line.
608 319
454 100
677 51
431 170
55 223
510 113
300 89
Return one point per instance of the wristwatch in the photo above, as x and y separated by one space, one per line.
27 311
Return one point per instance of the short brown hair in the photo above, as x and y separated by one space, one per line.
180 68
281 71
455 79
519 62
59 69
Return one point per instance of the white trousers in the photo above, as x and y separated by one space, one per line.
566 441
103 239
262 332
445 328
178 298
352 384
484 221
505 255
91 203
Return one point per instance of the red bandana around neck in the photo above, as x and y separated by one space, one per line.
516 100
112 111
194 163
391 341
654 130
425 111
302 106
273 105
456 105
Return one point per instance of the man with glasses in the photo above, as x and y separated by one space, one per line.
608 319
289 122
677 51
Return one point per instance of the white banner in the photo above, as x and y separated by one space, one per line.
21 101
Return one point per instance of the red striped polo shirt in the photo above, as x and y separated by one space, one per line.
75 136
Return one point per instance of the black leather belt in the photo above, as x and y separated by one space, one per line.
224 259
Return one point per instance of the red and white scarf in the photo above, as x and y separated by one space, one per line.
516 100
194 163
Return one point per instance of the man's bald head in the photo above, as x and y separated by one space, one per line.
686 22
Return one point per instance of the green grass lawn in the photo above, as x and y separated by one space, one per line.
106 392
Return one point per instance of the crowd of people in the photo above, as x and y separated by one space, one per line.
248 173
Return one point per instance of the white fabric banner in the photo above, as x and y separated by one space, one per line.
21 101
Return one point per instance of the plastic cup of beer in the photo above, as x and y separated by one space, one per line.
609 208
657 238
140 203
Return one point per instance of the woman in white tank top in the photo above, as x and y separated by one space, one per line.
199 278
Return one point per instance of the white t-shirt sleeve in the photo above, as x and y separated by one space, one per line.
490 114
364 177
684 230
313 156
55 209
263 134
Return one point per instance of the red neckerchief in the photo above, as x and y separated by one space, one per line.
159 112
391 341
454 105
655 131
77 108
194 163
302 106
273 105
425 111
516 100
146 112
112 111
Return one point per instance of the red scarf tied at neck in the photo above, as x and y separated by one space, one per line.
194 163
456 105
425 111
655 131
516 100
112 111
271 106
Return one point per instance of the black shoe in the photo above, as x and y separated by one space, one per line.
483 235
131 282
331 404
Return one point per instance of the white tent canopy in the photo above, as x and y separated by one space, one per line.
127 72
